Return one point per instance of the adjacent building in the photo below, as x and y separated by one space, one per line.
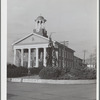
65 55
78 62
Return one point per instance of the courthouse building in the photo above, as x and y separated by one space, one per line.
31 50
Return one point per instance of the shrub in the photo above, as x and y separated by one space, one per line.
14 71
10 66
65 74
83 73
49 73
64 71
67 77
41 67
22 70
35 71
63 77
90 74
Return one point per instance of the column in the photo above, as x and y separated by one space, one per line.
21 57
44 61
14 56
29 52
37 58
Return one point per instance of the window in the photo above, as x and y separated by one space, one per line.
41 22
66 54
37 21
65 62
72 56
70 64
59 62
62 53
59 52
69 55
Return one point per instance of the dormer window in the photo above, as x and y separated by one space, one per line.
41 22
38 22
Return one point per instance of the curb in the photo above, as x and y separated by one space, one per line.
51 81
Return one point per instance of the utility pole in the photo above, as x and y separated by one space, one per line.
95 58
84 55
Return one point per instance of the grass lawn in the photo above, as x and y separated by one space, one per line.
30 91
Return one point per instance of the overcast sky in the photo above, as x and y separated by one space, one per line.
71 20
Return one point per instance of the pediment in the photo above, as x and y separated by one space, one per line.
32 39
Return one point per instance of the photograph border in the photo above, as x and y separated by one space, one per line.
3 53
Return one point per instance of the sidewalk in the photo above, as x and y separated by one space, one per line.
31 79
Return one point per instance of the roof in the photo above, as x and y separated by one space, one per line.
40 18
77 57
40 37
29 36
65 46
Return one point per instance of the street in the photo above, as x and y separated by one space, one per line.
30 91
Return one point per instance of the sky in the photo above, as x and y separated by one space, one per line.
70 20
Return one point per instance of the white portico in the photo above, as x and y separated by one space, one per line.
30 51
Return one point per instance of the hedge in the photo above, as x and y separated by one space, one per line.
14 71
49 72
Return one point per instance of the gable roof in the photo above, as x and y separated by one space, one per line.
29 36
65 46
78 58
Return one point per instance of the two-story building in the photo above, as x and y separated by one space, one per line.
31 50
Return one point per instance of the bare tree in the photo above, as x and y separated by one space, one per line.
91 60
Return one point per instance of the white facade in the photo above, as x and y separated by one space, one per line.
33 47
